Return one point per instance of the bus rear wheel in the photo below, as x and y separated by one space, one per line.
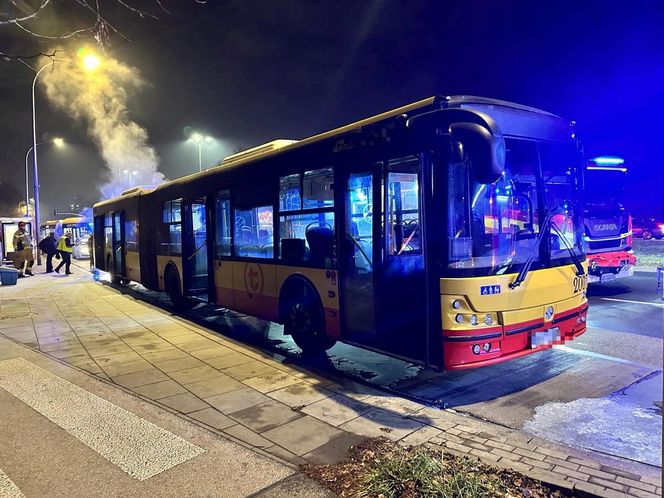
178 301
115 279
304 321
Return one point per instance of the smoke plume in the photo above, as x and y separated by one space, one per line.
99 97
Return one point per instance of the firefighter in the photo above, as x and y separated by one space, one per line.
23 251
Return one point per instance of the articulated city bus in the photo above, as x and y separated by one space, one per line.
607 223
447 232
76 225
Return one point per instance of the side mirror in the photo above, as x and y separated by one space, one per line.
485 152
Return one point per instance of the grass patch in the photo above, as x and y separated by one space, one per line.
382 469
649 253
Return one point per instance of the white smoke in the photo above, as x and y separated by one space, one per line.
100 98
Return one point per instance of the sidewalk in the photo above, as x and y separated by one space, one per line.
250 397
65 433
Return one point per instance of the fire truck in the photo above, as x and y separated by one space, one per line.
607 222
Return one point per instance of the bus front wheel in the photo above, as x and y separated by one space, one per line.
304 321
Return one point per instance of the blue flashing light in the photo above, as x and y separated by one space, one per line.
606 168
608 161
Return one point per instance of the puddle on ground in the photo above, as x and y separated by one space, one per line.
627 423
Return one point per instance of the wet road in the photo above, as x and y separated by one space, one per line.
622 347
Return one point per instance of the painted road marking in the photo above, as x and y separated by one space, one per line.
137 446
601 356
632 302
7 487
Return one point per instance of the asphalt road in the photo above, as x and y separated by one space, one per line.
621 349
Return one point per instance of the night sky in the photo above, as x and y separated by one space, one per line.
246 72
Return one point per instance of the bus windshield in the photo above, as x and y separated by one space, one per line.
605 188
494 228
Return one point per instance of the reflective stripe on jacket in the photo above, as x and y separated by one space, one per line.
22 239
62 244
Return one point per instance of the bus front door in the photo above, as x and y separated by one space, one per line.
195 261
357 259
382 259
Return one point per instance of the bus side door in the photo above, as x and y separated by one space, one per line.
118 243
402 296
358 254
195 247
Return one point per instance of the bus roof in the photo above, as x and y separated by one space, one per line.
282 145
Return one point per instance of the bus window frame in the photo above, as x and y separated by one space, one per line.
169 246
303 211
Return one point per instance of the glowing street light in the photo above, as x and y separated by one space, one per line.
199 139
90 63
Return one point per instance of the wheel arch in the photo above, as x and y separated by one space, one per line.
290 287
172 267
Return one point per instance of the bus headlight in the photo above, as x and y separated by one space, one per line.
458 318
473 320
486 347
487 319
476 349
456 304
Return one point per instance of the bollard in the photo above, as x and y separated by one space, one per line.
660 282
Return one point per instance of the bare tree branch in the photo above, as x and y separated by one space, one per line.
100 27
54 37
140 12
33 55
13 20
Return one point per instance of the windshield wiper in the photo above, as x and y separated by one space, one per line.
579 268
546 222
526 266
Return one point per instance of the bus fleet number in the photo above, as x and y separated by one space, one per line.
580 283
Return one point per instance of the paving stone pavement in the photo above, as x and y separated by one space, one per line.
248 395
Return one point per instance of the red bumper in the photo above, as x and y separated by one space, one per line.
614 259
508 342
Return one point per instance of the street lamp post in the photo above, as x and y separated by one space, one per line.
90 63
35 174
58 142
198 139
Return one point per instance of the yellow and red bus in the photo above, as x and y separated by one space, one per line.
76 225
447 232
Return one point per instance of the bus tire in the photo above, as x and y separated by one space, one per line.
302 315
646 235
173 289
115 279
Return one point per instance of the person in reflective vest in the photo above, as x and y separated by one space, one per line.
65 250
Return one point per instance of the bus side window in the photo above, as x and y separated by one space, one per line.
223 222
254 232
403 214
172 219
